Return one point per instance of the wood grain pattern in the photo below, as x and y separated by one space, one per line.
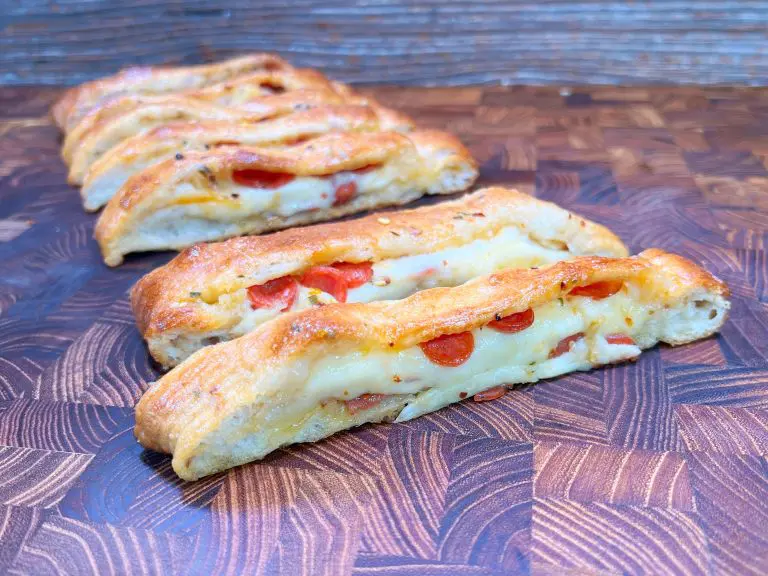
654 467
618 539
66 546
38 477
17 525
612 475
434 42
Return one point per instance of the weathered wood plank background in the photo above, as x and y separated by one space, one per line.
432 42
657 467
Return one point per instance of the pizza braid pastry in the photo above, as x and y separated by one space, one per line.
219 291
231 190
80 100
308 374
137 153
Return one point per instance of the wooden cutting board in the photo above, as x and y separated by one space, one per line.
655 467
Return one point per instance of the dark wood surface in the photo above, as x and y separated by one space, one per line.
657 467
430 42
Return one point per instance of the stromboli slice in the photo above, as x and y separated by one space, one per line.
306 375
79 100
131 115
112 169
219 291
231 191
153 113
243 91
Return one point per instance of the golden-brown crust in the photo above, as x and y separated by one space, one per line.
80 153
245 90
249 93
327 155
157 186
282 130
225 267
262 83
687 274
394 119
156 80
249 364
233 132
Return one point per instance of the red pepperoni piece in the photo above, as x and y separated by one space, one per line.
598 290
278 292
328 279
490 394
450 349
621 339
355 274
363 402
261 178
514 322
565 344
344 193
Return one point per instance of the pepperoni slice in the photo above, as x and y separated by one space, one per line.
278 292
620 339
328 279
363 402
514 322
490 394
261 178
565 344
450 349
355 274
598 290
344 193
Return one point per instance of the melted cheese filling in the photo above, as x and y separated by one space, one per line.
397 278
316 387
497 358
232 201
205 210
107 182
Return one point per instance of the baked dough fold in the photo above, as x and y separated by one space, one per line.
254 96
80 100
108 174
201 296
201 196
306 375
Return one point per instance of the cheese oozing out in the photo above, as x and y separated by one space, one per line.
396 278
412 385
203 210
101 184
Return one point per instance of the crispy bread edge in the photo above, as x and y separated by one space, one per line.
250 366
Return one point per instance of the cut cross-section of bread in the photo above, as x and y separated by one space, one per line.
97 133
80 100
306 375
231 191
216 292
109 172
